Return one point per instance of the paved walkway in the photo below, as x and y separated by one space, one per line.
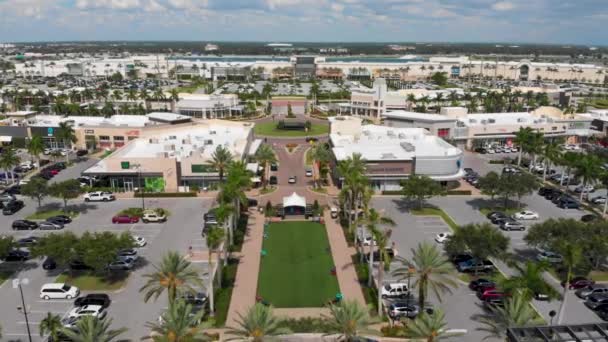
245 284
346 274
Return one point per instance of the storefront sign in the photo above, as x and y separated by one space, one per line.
125 165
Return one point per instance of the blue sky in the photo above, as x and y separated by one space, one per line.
537 21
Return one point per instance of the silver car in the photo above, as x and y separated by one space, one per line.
594 289
50 226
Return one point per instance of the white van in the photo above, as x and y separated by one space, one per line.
58 291
334 212
394 290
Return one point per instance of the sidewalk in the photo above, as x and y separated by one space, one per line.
245 284
346 274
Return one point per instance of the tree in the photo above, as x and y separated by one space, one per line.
528 281
420 188
98 249
572 254
522 139
35 147
372 221
258 324
6 245
65 133
482 241
93 329
61 247
517 312
569 160
440 78
214 239
289 111
265 155
535 145
551 154
220 160
490 184
382 238
179 323
51 325
429 327
588 168
8 160
116 77
66 190
37 189
238 180
522 184
349 319
432 269
321 156
173 273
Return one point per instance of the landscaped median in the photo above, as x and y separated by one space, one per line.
88 281
428 211
43 215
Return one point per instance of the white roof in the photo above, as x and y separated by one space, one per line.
502 119
21 113
402 114
294 200
255 145
163 116
115 120
253 167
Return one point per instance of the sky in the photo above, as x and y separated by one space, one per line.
524 21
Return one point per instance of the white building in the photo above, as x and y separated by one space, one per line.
208 106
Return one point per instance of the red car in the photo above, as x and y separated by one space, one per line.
579 283
125 219
493 293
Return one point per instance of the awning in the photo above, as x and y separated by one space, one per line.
253 167
294 200
6 138
254 146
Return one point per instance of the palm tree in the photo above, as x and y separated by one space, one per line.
173 273
372 220
321 156
522 138
117 95
51 325
92 329
214 239
432 269
382 239
223 213
528 281
429 327
572 254
238 180
8 160
517 312
551 154
535 146
569 160
131 95
588 167
35 147
265 155
349 319
220 160
256 325
179 323
65 133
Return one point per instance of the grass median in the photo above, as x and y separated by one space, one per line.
87 281
43 215
435 212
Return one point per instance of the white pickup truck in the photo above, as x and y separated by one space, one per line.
153 216
99 196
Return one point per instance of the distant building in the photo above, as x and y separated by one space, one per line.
211 47
204 106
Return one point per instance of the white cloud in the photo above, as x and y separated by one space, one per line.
337 7
110 4
503 6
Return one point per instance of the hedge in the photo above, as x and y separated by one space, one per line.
166 194
392 192
459 192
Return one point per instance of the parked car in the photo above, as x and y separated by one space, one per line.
139 241
586 189
58 291
490 293
510 224
88 310
596 300
495 213
5 198
390 252
196 299
27 241
292 180
493 302
24 225
442 237
568 203
12 207
99 196
481 283
81 153
128 253
475 265
334 212
153 216
60 219
273 180
17 255
578 283
549 257
124 264
100 299
79 265
398 310
526 215
125 219
552 194
499 218
49 264
458 258
308 172
49 226
591 290
367 241
13 190
394 290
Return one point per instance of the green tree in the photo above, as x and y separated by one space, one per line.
490 184
179 323
290 111
482 241
116 77
92 329
349 319
215 237
174 273
522 140
440 78
257 325
51 325
238 180
429 327
265 155
8 160
572 254
552 153
432 270
66 190
321 156
568 160
522 184
65 133
98 249
372 220
37 189
420 188
588 168
6 244
61 247
517 312
528 280
220 160
35 147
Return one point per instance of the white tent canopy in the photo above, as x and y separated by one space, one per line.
294 200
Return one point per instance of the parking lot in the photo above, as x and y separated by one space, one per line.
182 230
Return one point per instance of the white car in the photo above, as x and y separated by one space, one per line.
153 216
526 215
139 241
366 241
394 290
442 237
550 257
292 180
47 151
99 196
88 310
58 291
308 172
598 200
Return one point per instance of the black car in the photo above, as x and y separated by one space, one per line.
81 153
590 218
60 219
17 255
553 193
500 218
481 283
274 167
49 264
194 298
12 207
45 175
544 190
568 203
24 225
458 258
101 299
79 265
28 241
13 190
494 214
273 180
252 202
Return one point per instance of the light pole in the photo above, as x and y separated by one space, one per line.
17 284
142 190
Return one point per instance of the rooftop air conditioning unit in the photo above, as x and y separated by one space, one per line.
408 147
521 120
491 121
483 122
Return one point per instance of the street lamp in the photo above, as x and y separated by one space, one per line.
141 189
17 284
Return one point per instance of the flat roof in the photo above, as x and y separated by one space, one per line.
21 113
402 114
522 118
90 121
168 117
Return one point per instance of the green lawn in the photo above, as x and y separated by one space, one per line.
43 215
296 271
89 282
435 212
270 129
4 276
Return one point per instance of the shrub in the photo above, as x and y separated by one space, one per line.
306 325
392 331
166 194
140 212
459 192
